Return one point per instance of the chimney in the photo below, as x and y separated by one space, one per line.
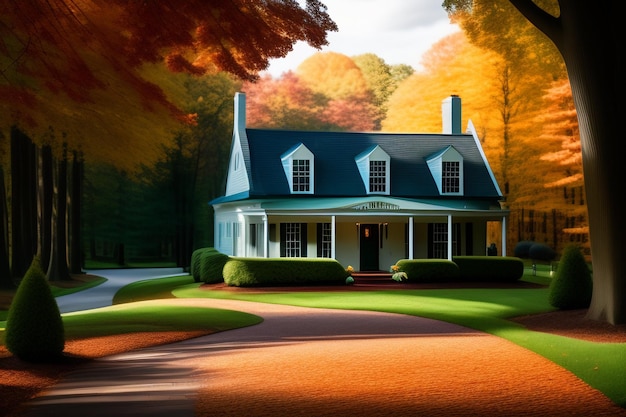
451 115
240 112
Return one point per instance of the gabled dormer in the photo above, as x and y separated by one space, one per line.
446 167
374 166
299 166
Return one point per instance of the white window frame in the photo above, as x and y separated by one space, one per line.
436 166
364 163
299 153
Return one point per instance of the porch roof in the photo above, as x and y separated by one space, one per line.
371 205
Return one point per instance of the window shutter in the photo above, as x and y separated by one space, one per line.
303 239
469 238
430 240
283 237
319 240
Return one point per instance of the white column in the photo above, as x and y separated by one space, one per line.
411 237
449 237
332 237
503 251
266 238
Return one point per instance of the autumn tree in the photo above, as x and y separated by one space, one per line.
284 102
560 132
341 81
587 37
84 68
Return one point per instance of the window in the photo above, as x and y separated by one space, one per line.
301 175
324 240
378 176
438 240
293 240
374 167
299 166
450 177
446 167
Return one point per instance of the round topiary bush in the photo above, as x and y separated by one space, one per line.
522 249
34 327
541 252
572 285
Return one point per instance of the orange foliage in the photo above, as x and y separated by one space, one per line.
85 67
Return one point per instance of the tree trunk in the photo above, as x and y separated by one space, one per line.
23 202
595 69
46 200
588 35
58 269
6 280
76 252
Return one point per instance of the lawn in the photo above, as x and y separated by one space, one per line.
601 365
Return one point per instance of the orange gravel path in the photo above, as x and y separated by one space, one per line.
456 372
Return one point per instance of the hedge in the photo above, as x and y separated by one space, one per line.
490 268
249 272
429 270
207 265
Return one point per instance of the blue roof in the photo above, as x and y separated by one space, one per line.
337 175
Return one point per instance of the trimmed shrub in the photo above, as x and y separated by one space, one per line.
34 327
541 252
196 259
248 272
212 266
572 284
429 270
522 249
490 268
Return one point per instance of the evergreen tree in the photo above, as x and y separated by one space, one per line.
34 329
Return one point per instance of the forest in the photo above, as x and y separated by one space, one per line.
109 158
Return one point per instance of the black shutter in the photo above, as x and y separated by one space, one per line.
283 237
303 239
319 240
469 239
430 240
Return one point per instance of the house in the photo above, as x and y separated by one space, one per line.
365 199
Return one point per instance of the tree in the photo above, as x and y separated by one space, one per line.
560 132
340 80
285 102
92 72
587 37
34 329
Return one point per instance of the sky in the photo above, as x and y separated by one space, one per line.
398 31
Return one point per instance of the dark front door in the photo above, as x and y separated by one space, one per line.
369 247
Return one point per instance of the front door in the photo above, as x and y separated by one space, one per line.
369 247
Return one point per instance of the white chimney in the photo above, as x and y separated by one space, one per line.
240 112
451 115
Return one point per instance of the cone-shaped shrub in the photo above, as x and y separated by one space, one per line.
572 285
34 328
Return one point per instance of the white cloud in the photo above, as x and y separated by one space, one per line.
398 31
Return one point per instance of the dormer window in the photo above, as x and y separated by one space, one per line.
301 176
298 164
446 167
373 165
378 176
450 177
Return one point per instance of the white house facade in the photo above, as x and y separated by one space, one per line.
365 199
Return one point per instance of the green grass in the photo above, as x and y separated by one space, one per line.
152 317
151 289
601 365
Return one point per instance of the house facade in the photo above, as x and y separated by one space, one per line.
365 199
